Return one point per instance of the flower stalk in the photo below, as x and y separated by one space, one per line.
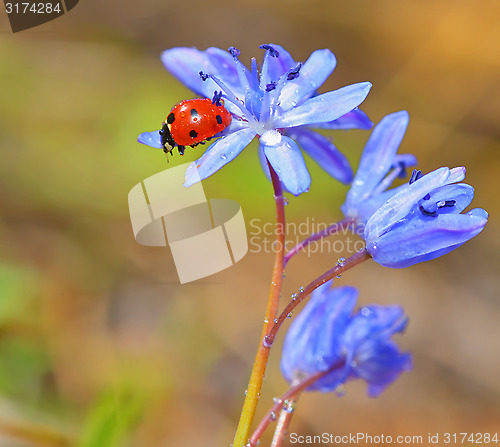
261 358
354 260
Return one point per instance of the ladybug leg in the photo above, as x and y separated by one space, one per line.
181 149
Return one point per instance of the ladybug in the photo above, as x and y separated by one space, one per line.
193 121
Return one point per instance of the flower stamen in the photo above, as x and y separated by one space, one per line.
294 73
427 213
272 51
415 175
446 203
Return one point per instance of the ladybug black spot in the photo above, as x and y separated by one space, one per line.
170 118
193 133
194 112
219 119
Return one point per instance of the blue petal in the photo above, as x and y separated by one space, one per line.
406 160
326 107
186 63
312 75
312 343
287 160
152 139
276 66
380 364
401 203
378 156
375 322
217 155
263 162
364 210
425 238
462 194
324 152
355 119
456 175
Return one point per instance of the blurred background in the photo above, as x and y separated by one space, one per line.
101 346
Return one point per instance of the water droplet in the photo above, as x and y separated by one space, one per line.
340 390
246 391
223 156
290 315
341 262
266 342
338 276
293 296
272 416
284 274
285 201
365 311
276 400
288 406
301 289
275 320
266 320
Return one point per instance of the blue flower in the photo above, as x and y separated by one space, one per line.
278 103
423 220
326 337
379 166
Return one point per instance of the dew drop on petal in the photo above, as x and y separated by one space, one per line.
293 296
340 390
365 312
223 156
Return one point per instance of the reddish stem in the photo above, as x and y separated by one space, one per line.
288 399
262 356
355 259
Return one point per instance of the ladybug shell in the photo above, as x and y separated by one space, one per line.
194 120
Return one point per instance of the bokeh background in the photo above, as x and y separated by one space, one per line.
100 345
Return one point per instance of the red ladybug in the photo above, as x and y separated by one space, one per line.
193 121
